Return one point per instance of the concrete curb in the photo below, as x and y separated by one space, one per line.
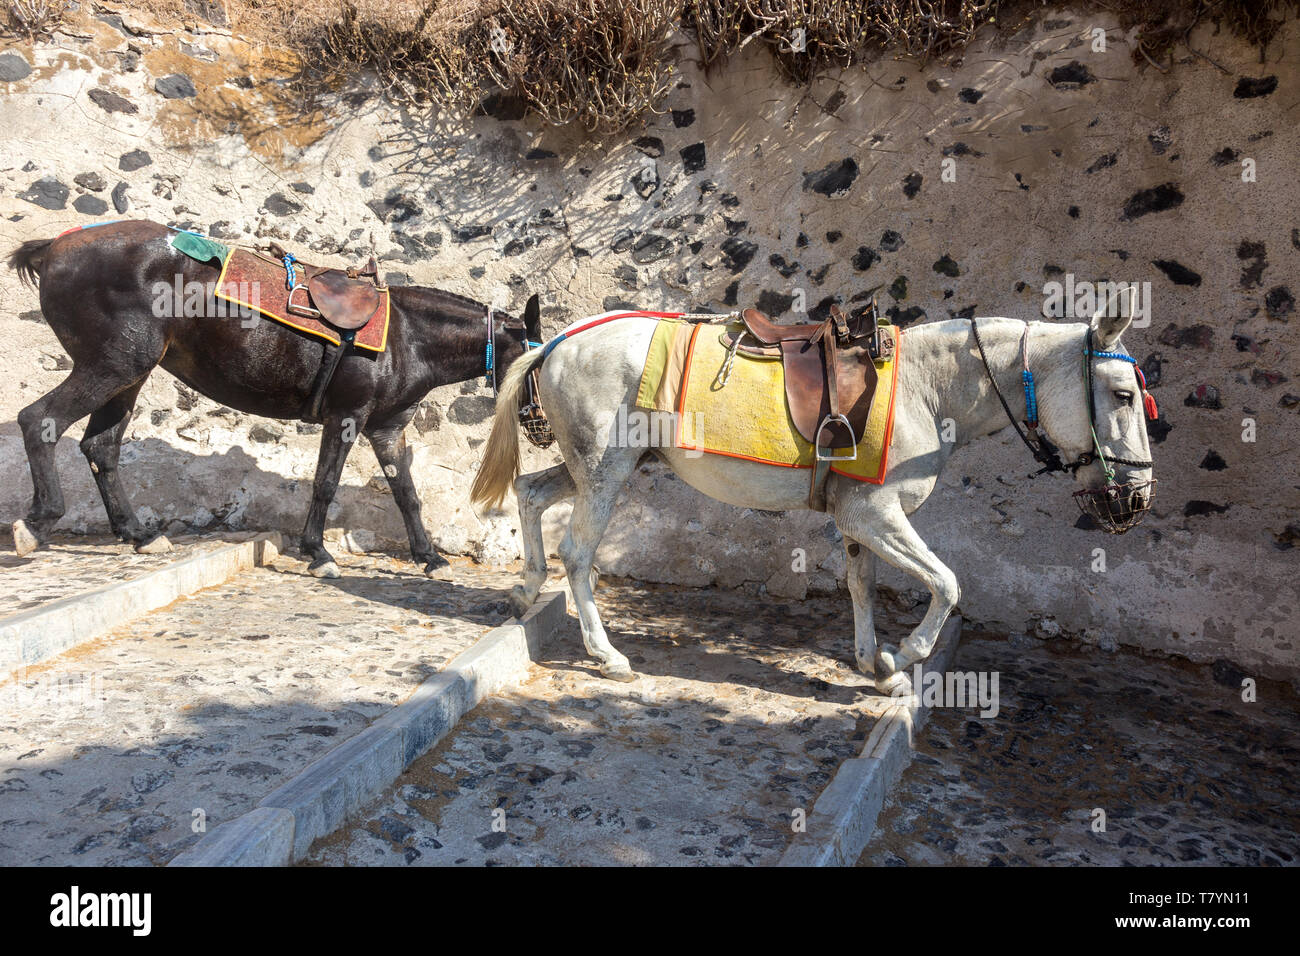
844 816
32 636
325 794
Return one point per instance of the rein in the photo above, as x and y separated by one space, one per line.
1044 452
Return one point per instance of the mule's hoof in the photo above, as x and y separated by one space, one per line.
24 541
433 563
438 572
158 545
324 569
897 684
885 662
620 672
519 601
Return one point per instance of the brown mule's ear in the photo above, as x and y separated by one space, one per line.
533 318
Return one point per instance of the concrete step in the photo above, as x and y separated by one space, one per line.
76 591
75 564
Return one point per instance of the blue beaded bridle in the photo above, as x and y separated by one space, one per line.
1046 453
490 352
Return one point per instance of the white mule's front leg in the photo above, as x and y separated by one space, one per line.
892 537
862 588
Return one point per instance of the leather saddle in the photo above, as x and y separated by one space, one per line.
345 298
813 356
830 377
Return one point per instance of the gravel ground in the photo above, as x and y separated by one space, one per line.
1185 771
743 708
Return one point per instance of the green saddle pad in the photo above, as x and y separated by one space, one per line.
200 247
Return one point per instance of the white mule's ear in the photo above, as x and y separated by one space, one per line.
1106 327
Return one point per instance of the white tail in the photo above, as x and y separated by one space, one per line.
500 464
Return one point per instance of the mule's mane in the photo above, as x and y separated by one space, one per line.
422 295
450 297
1046 336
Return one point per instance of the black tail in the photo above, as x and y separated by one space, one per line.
28 259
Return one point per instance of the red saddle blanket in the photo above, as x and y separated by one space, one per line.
258 281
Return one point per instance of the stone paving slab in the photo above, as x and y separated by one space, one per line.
73 564
37 634
743 709
1186 772
106 751
334 788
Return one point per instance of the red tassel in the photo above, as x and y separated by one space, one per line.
1149 404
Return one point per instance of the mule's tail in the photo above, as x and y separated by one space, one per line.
28 259
501 457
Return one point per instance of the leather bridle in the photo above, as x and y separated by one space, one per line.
1042 448
511 324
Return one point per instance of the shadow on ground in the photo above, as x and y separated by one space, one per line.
1166 754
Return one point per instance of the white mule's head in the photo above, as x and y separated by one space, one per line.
1096 413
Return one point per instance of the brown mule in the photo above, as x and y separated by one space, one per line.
252 364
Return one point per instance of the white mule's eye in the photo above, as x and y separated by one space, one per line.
1125 398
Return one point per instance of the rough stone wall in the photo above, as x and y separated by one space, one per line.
1066 160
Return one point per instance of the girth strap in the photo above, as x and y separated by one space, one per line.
330 362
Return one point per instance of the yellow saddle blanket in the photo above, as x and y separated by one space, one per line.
747 417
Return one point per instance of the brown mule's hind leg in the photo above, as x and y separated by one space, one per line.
102 446
43 423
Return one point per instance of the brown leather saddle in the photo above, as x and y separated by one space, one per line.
345 298
830 378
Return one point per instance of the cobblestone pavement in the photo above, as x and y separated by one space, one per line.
1185 771
742 710
74 564
106 751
